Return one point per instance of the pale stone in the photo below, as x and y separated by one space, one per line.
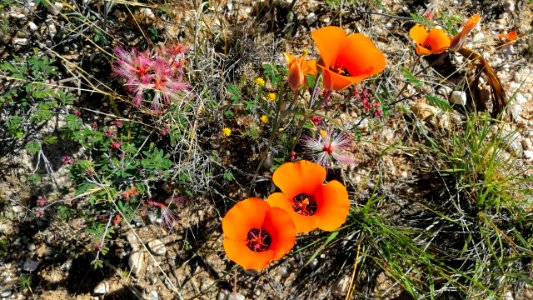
157 247
458 97
101 289
136 262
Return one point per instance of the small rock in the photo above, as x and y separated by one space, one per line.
133 241
5 294
30 265
458 97
314 263
148 13
31 247
136 262
223 295
138 221
515 147
153 295
20 41
283 272
52 30
56 8
311 18
157 247
66 265
102 288
478 37
17 15
32 26
340 287
516 111
152 217
508 6
528 154
236 296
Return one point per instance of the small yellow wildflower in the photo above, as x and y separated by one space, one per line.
271 96
264 119
323 133
260 81
226 131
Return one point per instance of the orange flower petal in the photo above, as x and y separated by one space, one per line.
459 39
437 41
359 57
237 222
512 36
354 54
302 223
279 224
310 67
418 33
328 41
333 206
254 213
294 178
238 252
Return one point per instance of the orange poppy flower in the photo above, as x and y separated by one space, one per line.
434 41
346 59
459 39
311 203
256 234
298 68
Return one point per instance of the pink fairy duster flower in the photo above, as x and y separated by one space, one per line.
328 148
155 77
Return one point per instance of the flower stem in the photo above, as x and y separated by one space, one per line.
309 107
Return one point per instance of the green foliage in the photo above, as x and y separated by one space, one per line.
439 102
411 79
24 281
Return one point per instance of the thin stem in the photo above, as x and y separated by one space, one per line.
309 107
273 133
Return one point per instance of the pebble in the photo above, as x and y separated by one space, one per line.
148 13
283 272
528 154
314 263
340 287
31 247
20 41
478 37
32 26
56 8
5 294
136 262
102 288
132 240
157 247
311 18
236 296
66 265
52 30
458 97
153 295
30 265
508 6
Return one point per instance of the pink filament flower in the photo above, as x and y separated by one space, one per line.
328 148
156 75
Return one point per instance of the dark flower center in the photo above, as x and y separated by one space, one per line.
258 240
427 46
304 204
339 70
